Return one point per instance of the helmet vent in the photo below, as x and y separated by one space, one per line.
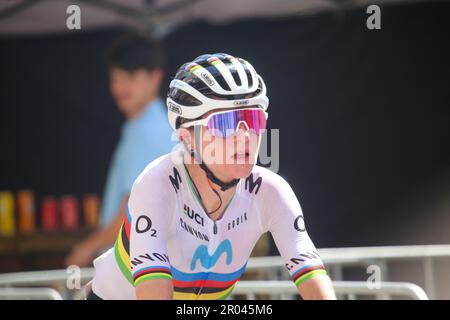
184 98
235 74
249 78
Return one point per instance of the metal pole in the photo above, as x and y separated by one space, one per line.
429 277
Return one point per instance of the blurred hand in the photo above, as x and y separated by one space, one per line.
81 255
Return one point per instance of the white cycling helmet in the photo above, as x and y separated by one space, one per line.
213 81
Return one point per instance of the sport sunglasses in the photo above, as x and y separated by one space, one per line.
226 123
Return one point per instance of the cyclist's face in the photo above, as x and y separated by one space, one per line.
232 157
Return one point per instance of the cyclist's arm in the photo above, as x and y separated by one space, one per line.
156 289
286 224
148 221
317 288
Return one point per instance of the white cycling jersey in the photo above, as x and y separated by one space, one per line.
167 234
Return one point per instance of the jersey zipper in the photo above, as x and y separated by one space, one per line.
196 194
210 246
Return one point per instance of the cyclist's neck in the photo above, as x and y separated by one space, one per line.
209 198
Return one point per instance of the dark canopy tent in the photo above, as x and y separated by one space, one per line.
158 16
363 115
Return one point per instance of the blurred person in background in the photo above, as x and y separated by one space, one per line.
135 65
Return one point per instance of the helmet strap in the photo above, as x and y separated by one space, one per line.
223 185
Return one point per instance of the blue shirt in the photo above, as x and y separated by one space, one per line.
142 140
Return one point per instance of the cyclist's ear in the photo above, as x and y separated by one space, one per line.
184 135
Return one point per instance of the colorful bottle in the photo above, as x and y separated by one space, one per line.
27 211
7 220
69 213
91 208
49 214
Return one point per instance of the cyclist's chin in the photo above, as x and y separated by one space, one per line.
241 170
233 170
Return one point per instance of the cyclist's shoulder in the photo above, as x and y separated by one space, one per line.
268 188
269 180
155 175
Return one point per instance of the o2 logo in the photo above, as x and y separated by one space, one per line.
299 223
144 224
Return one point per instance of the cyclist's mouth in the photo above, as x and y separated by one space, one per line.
242 156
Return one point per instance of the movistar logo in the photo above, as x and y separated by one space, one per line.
208 261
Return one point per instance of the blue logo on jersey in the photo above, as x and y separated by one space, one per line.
207 261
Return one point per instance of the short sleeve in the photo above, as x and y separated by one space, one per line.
148 223
286 223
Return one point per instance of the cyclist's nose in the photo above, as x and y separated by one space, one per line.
243 132
242 128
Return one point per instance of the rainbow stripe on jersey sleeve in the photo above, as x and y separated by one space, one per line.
122 255
307 272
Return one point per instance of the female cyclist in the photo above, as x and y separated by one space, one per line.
194 215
